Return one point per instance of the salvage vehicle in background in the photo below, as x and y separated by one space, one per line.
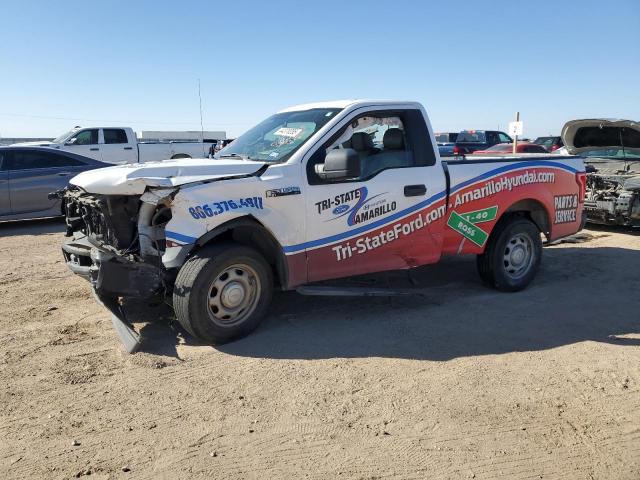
118 145
469 141
507 149
611 151
312 193
550 143
29 174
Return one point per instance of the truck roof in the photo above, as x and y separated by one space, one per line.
344 104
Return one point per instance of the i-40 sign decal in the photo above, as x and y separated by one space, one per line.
466 224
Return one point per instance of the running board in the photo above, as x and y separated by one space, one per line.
321 291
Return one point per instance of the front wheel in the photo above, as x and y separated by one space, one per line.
513 255
222 292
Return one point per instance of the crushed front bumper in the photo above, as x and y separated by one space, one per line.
114 278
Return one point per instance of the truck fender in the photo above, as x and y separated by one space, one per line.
248 231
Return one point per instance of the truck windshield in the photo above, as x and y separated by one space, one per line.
469 136
279 136
64 136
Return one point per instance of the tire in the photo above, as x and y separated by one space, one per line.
512 257
222 292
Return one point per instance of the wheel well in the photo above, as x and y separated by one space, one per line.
180 155
534 211
251 233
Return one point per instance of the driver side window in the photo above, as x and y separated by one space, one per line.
85 137
380 141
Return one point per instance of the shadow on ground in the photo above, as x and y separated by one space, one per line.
32 227
580 294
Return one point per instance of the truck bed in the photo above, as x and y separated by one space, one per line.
493 182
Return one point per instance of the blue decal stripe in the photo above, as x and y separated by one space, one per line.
180 237
421 205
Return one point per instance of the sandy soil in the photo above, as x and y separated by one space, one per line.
458 382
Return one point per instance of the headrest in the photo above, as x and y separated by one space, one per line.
361 141
393 139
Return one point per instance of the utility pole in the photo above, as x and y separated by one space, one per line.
515 137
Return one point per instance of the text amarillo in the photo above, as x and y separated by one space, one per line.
371 242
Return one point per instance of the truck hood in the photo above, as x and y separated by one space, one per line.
581 136
133 179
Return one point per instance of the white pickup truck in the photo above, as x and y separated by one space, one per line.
119 145
314 192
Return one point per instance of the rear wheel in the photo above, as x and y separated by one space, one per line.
513 255
223 292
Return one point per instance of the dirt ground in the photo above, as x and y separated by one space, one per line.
457 382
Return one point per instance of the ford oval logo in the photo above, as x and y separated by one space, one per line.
340 209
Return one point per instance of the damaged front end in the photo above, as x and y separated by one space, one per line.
613 198
117 243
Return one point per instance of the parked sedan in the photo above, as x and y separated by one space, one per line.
29 174
507 148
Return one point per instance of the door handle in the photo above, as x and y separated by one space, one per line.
128 148
94 149
63 174
414 190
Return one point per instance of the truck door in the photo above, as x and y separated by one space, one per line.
384 219
116 147
85 143
5 205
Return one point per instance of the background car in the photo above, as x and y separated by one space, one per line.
446 137
29 174
469 141
550 143
446 150
507 148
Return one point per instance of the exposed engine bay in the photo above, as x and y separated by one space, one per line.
121 223
125 234
613 192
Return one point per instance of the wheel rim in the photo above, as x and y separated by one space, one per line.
233 295
518 256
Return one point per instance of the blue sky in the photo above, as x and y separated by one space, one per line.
472 63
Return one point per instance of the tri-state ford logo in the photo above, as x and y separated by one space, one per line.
357 206
566 207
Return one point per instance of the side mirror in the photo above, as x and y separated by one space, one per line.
72 141
339 164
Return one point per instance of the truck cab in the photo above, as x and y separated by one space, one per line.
119 145
104 144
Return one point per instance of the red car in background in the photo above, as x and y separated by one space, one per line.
507 148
